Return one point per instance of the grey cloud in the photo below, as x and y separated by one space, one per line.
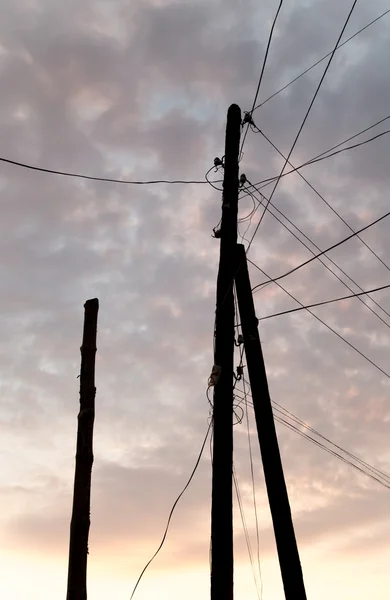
157 86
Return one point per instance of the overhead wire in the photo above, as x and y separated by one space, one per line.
331 260
363 466
330 451
316 256
237 377
324 200
262 69
352 137
172 510
253 486
324 302
242 378
324 323
212 182
246 533
386 12
266 182
249 215
370 467
312 161
93 178
240 503
304 120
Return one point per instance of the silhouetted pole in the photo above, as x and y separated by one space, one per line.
79 526
221 509
290 566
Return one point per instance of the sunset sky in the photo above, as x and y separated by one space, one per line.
138 90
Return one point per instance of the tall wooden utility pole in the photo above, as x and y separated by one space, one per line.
79 526
290 566
221 509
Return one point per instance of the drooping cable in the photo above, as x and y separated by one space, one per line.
324 302
253 485
173 509
93 178
371 468
332 452
305 118
262 69
325 201
321 260
246 533
321 60
316 256
211 183
242 378
326 154
325 324
363 466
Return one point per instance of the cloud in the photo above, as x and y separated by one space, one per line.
140 91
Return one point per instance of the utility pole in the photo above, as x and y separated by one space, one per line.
290 566
79 526
222 499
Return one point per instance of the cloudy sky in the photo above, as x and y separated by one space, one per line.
139 90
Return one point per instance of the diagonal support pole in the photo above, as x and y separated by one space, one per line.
290 565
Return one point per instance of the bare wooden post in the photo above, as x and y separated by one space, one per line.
221 499
79 526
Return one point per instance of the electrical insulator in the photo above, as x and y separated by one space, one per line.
215 375
240 371
247 119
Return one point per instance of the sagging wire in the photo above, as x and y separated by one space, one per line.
253 485
172 511
218 164
251 215
241 377
246 532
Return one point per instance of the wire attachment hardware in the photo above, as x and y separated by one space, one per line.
215 375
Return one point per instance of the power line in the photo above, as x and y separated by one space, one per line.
292 310
253 488
355 135
266 54
323 199
315 160
172 510
349 237
365 467
325 324
332 452
316 432
92 178
262 68
268 181
354 294
304 119
246 533
322 261
250 453
321 59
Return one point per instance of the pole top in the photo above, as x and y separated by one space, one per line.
93 302
234 111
